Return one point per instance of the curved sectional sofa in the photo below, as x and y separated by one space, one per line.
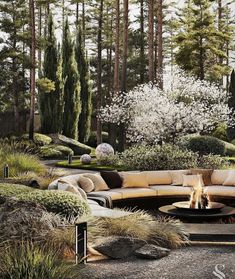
163 187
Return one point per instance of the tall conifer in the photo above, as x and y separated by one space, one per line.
72 105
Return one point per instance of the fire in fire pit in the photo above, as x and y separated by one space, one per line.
198 198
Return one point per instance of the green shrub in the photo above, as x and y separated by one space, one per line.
203 144
19 162
229 149
220 132
92 141
59 202
112 160
30 261
165 157
211 162
39 139
55 151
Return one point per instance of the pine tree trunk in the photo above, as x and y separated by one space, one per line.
151 40
160 46
116 85
142 56
84 22
39 36
99 72
32 69
122 130
201 53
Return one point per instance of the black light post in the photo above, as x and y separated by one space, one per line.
70 159
81 242
6 171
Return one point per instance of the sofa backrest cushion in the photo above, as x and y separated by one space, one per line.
100 184
66 186
177 176
158 177
72 179
206 175
112 179
230 179
218 177
192 180
134 180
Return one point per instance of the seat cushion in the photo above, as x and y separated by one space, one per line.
169 190
158 177
136 193
219 176
220 190
112 194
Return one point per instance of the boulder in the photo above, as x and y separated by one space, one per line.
77 147
117 247
150 251
54 151
39 139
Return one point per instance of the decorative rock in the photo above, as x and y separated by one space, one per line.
85 159
104 150
118 247
77 147
150 251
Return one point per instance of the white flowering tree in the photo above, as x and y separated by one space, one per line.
184 106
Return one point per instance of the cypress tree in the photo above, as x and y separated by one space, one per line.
231 130
51 86
84 124
72 106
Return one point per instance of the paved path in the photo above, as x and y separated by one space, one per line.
185 263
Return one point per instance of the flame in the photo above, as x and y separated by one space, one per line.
198 198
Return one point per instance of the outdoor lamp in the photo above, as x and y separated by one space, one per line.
6 171
81 242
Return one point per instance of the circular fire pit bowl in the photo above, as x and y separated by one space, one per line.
213 207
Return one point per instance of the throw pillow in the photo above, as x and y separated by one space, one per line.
177 177
134 180
192 180
230 180
100 184
86 184
206 175
112 179
65 186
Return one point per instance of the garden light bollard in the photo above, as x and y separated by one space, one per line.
81 242
70 159
6 171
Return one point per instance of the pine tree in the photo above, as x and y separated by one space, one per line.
84 125
13 58
199 40
51 101
72 105
231 130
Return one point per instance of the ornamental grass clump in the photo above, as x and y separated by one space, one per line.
139 224
33 261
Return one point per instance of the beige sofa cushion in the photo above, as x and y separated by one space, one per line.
112 194
158 177
65 186
230 180
206 174
134 180
86 184
72 179
100 184
137 192
163 190
177 176
192 180
219 176
219 190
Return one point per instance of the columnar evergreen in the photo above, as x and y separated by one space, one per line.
231 130
72 104
51 99
84 124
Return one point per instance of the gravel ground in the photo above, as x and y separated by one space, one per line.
185 263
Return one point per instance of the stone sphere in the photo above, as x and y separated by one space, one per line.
85 159
104 150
